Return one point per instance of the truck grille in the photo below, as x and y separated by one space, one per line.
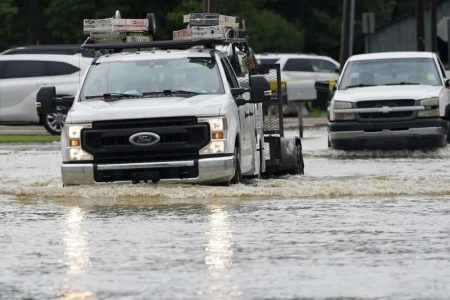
398 115
180 139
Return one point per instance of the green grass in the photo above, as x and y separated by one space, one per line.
29 138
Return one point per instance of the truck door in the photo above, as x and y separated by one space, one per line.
246 120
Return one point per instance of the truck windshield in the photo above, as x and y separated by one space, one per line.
141 78
395 71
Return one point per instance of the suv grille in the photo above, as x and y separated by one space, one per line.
180 139
398 115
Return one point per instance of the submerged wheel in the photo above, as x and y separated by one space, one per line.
300 162
237 166
54 122
448 135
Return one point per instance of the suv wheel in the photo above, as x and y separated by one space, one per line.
54 122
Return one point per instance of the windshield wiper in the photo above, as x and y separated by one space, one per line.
359 85
171 92
403 83
106 96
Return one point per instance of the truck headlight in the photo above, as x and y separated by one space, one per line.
431 106
218 130
338 116
71 143
342 105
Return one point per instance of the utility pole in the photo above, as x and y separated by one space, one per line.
420 26
433 26
351 28
345 32
210 6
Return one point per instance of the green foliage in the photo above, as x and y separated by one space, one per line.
65 19
8 11
273 25
29 138
269 31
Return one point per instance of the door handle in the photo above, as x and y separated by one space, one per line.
248 114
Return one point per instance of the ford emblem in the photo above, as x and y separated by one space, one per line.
144 139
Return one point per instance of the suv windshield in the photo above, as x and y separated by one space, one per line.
153 77
395 71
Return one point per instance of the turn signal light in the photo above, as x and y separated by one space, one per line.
74 143
218 135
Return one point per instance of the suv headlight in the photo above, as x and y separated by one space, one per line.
218 130
71 143
338 116
431 107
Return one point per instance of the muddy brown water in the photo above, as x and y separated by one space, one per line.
358 225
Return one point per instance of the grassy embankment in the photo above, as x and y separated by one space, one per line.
29 138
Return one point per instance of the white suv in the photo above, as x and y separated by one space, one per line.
301 71
22 75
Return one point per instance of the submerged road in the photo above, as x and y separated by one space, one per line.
358 225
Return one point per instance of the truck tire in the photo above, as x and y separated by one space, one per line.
448 135
237 166
300 162
54 122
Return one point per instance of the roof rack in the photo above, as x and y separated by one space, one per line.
163 45
117 29
211 26
204 29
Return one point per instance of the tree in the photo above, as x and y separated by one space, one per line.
8 11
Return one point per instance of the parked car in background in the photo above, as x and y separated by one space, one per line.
301 71
390 100
22 75
49 49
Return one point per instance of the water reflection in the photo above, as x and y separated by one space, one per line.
77 256
76 247
219 255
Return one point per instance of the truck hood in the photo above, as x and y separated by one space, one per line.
388 93
141 108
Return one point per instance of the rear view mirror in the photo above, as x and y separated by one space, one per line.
47 102
44 100
447 83
260 89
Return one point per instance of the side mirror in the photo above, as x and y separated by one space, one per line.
260 89
447 83
44 100
237 91
47 102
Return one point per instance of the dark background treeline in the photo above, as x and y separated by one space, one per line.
310 26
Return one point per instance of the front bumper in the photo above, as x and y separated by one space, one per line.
210 170
417 133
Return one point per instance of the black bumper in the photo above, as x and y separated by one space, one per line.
412 134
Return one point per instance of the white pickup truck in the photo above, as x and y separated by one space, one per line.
390 100
174 112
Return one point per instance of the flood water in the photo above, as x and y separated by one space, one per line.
358 225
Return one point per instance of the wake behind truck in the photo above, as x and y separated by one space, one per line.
190 110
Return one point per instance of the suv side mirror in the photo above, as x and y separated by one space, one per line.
260 89
447 83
